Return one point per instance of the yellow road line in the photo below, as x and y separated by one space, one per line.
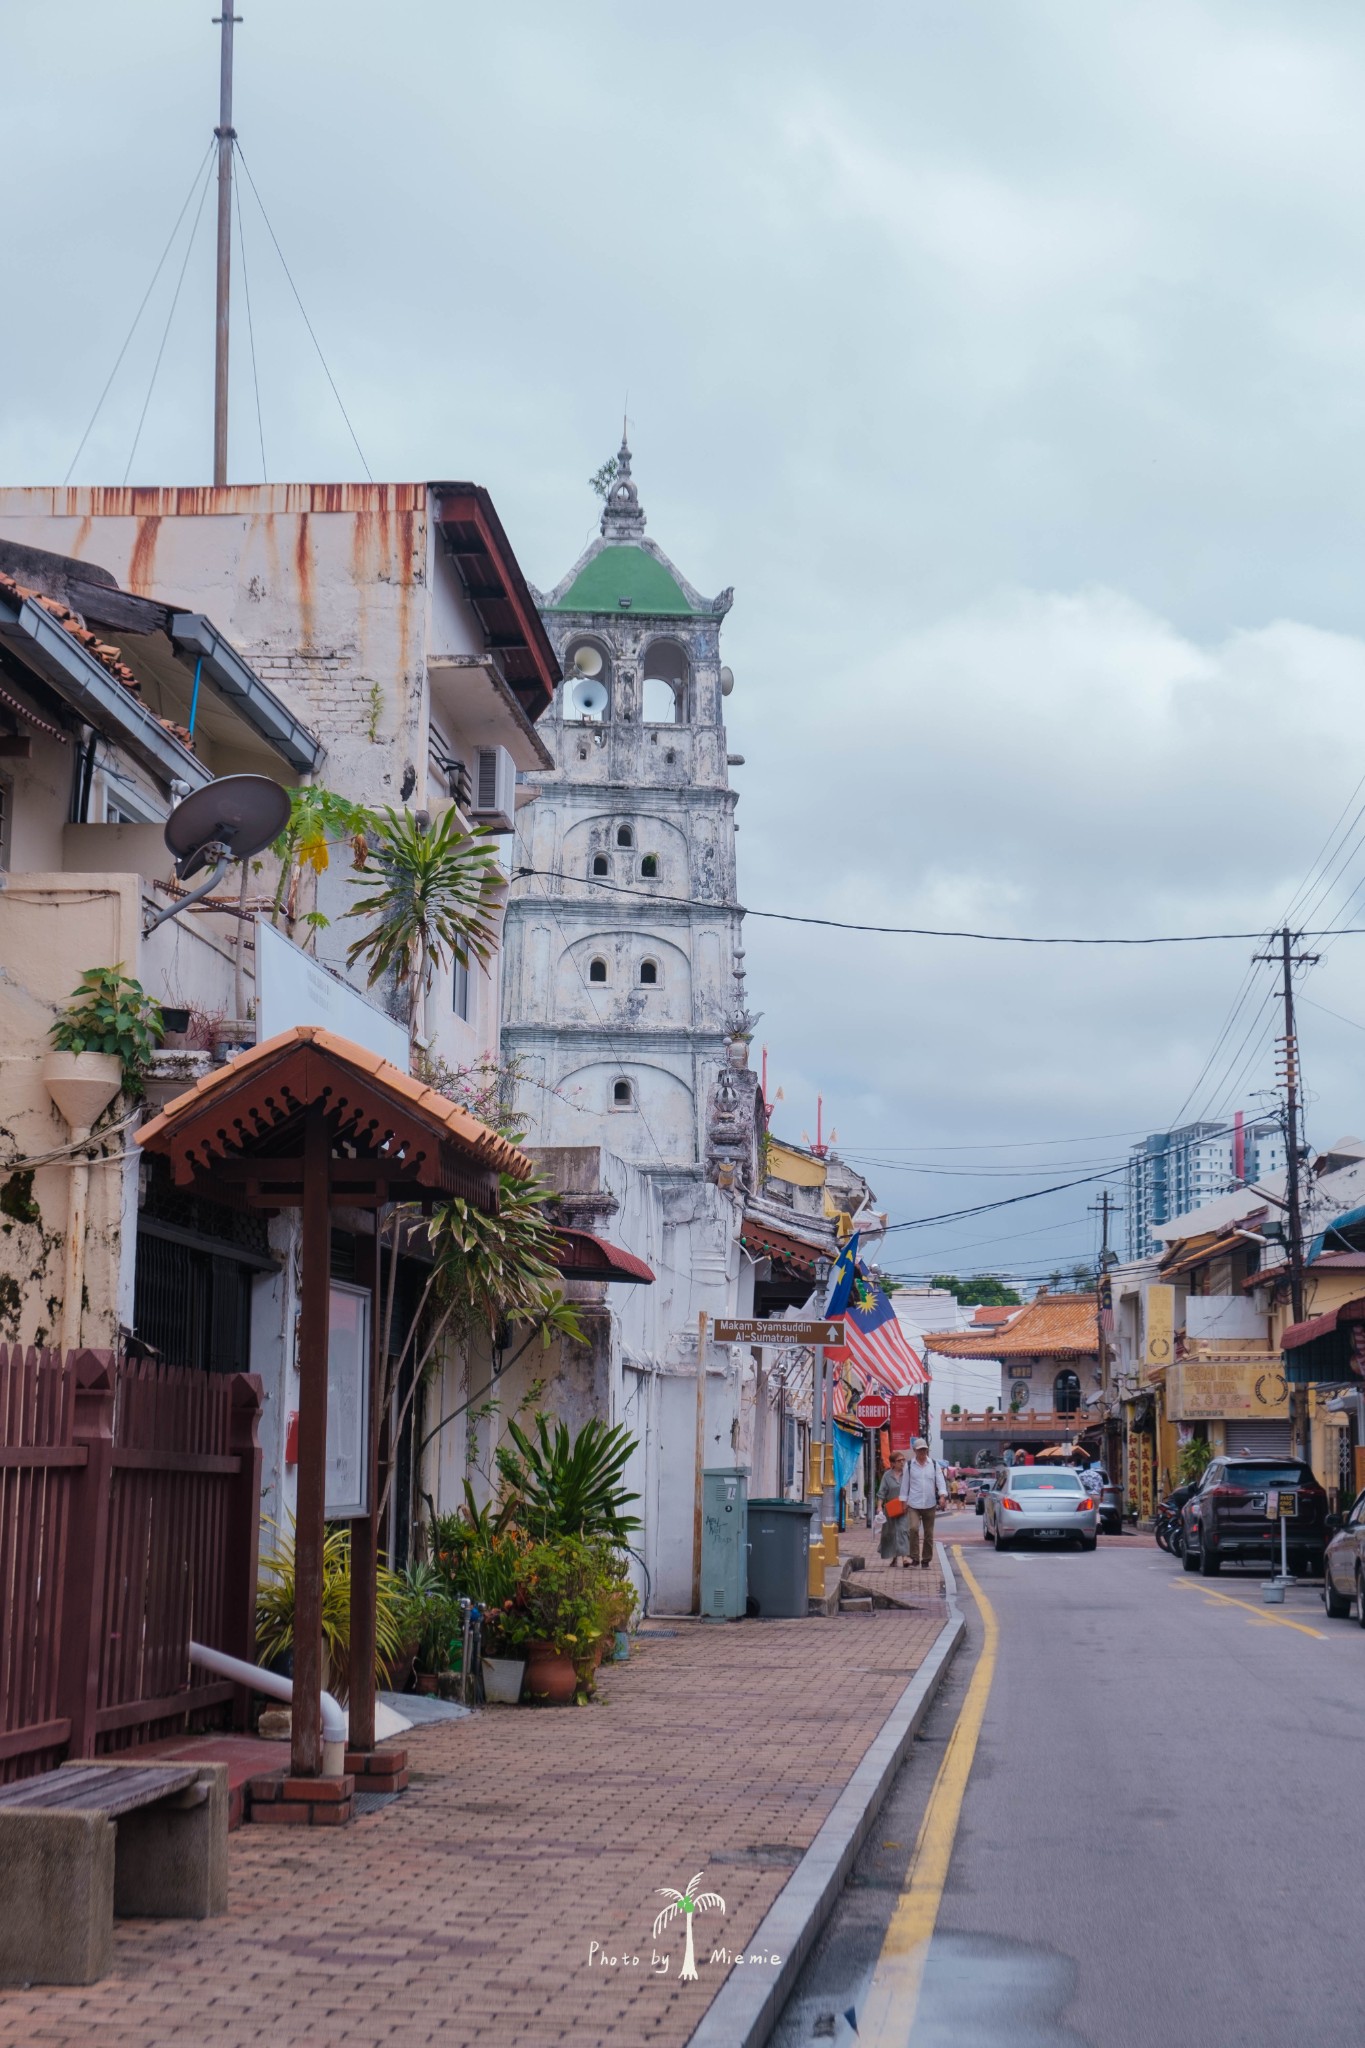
887 2016
1261 1613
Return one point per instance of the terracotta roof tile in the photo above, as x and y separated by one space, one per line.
1053 1326
439 1109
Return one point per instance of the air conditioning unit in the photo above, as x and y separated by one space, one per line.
495 788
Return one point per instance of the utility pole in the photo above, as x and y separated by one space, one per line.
227 136
1288 960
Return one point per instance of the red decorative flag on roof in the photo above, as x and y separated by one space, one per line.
877 1344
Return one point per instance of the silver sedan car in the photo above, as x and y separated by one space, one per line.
1048 1503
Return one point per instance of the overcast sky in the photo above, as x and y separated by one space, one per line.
1007 358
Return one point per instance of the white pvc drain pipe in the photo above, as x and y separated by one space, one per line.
334 1723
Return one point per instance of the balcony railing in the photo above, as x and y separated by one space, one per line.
1009 1421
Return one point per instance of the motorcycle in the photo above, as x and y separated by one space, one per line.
1168 1527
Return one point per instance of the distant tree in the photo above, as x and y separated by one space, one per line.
1082 1278
602 480
1054 1280
982 1290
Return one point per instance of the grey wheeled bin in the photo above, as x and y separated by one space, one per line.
779 1557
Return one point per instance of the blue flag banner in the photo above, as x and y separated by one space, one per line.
848 1454
844 1278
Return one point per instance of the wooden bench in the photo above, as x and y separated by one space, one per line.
87 1841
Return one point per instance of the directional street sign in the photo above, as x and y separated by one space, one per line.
873 1411
778 1332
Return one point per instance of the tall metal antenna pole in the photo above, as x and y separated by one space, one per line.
226 134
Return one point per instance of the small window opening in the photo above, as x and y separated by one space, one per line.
597 970
649 867
649 973
600 865
624 836
621 1094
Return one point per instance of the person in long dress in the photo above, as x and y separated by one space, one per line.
895 1539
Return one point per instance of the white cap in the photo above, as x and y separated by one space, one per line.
920 1444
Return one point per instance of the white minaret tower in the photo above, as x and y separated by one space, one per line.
623 964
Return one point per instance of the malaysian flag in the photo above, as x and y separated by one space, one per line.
876 1343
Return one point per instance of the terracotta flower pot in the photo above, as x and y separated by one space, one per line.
550 1675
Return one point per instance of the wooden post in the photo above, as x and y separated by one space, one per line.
701 1459
241 1559
365 1528
310 1530
82 1612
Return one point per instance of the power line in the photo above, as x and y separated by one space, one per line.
161 262
911 931
303 309
166 333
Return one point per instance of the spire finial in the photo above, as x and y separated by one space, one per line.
622 517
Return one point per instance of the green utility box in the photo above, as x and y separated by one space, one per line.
724 1560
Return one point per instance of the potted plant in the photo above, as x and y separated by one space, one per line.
506 1634
275 1609
577 1596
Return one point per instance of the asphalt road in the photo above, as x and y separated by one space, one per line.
1163 1834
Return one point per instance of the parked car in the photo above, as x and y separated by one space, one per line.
1227 1517
1108 1498
1047 1503
1343 1564
981 1483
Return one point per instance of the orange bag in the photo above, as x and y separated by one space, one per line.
895 1508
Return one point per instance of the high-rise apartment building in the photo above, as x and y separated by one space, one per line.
1172 1172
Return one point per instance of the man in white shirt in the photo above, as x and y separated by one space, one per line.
923 1491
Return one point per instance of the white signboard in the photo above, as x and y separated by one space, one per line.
348 1402
1220 1316
292 989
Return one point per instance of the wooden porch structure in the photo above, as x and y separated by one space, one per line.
311 1121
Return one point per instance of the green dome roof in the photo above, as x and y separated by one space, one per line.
625 572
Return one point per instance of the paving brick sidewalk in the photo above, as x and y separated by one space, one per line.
462 1914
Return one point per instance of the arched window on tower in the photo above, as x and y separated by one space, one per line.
649 867
600 864
649 973
587 682
622 1095
668 674
597 970
1066 1393
624 836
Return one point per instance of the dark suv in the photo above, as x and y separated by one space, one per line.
1228 1516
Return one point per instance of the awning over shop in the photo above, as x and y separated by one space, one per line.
1333 1234
762 1241
581 1256
1299 1334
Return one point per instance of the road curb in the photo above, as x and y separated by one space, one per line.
747 2007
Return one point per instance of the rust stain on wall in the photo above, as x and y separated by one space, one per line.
207 500
406 526
303 565
82 535
142 564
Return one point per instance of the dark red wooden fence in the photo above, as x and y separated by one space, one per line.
129 1504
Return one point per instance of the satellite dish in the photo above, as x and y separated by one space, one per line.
588 661
591 696
231 819
727 681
